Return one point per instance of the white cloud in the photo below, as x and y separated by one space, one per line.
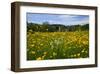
67 16
80 22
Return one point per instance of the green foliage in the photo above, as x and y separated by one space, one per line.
46 27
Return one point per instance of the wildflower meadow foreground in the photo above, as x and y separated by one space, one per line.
57 45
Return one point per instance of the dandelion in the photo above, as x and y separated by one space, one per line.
39 58
43 56
78 54
32 45
84 42
82 51
33 52
41 44
45 53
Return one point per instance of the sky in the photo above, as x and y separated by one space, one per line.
65 19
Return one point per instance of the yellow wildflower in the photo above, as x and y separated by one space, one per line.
43 56
82 51
78 54
33 52
41 44
39 58
45 53
84 42
32 45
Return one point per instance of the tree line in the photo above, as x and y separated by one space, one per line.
46 27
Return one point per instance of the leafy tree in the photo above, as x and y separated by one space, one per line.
46 27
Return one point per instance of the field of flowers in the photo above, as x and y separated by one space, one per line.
57 45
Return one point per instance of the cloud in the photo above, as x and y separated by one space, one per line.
74 19
67 16
65 19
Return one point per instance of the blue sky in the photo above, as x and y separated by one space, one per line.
57 18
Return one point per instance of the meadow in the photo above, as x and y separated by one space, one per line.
57 45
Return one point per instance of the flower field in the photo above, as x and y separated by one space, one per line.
57 45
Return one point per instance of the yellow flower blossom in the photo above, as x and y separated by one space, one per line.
33 52
32 45
39 58
43 56
82 51
41 44
78 54
45 53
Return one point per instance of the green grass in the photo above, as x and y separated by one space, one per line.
57 45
